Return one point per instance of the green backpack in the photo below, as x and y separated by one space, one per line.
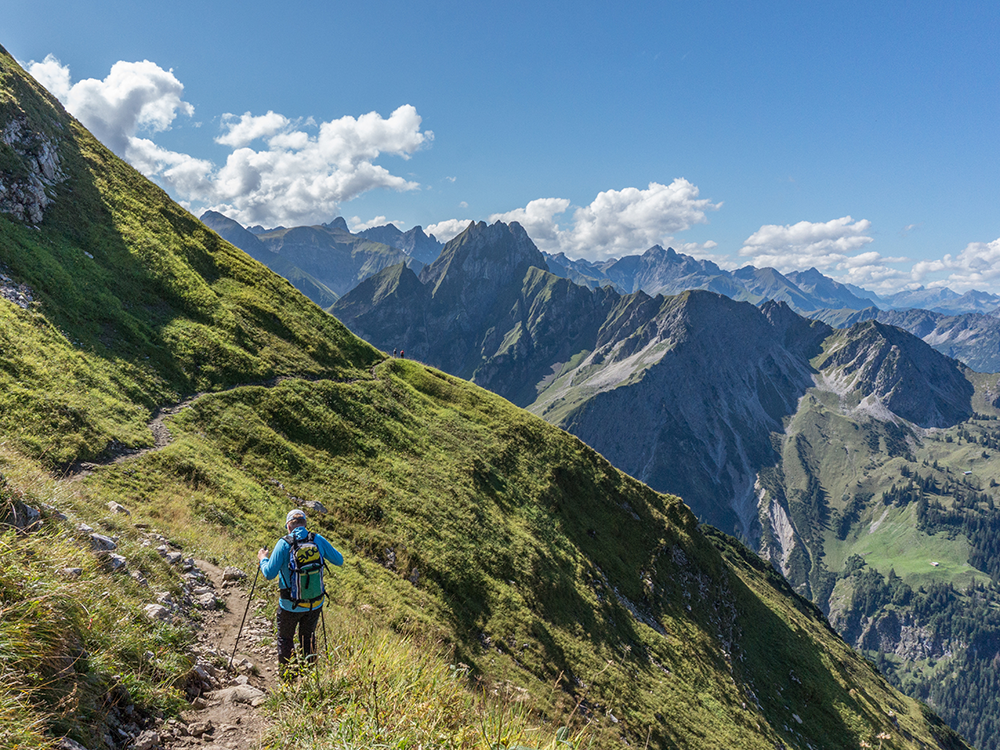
305 563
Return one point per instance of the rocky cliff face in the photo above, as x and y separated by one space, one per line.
685 397
29 169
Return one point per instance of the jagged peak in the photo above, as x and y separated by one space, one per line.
906 375
338 223
493 252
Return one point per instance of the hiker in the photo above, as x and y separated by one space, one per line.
393 353
298 560
402 354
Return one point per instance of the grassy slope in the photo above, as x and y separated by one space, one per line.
527 551
164 307
464 519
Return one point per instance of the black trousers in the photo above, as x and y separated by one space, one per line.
306 623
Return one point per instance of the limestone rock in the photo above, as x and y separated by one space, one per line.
233 574
198 728
21 516
315 506
148 740
101 542
206 601
24 193
156 612
118 508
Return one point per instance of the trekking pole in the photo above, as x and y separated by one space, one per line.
240 631
326 647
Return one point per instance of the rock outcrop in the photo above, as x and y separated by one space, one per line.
29 169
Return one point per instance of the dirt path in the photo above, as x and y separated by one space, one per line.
228 715
116 453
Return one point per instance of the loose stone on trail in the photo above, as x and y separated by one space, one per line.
102 542
157 612
315 506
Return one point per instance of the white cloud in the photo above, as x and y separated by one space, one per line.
136 96
976 267
617 222
301 177
621 222
248 128
52 74
823 245
538 219
358 225
448 229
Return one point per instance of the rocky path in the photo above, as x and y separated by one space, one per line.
225 710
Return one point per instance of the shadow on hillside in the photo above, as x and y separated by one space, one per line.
784 663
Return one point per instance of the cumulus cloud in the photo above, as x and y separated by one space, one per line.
357 224
303 177
135 96
448 229
538 219
248 128
834 247
300 175
823 245
616 222
52 74
976 267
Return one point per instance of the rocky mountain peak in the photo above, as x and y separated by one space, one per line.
888 367
339 224
797 333
492 256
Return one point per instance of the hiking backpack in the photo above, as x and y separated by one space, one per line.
305 564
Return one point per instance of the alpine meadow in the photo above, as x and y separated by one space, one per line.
505 585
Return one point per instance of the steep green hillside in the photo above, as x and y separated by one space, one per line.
466 522
135 302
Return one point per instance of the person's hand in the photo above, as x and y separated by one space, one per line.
261 554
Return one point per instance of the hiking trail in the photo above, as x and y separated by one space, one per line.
228 715
116 453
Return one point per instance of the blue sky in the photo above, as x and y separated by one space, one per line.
858 138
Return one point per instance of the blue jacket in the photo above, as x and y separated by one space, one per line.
277 563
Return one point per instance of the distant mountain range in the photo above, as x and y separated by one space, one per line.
803 439
326 260
659 271
656 271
